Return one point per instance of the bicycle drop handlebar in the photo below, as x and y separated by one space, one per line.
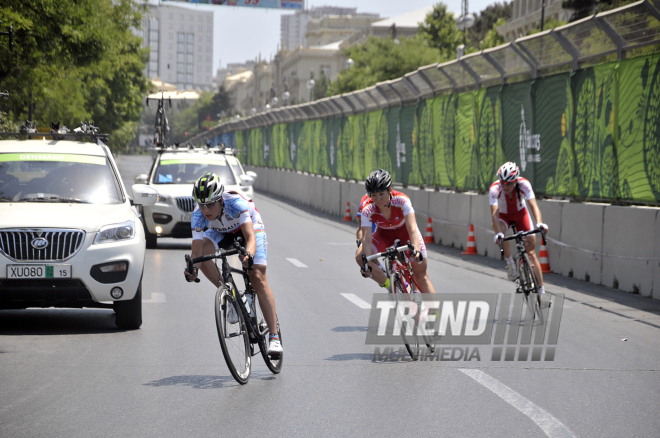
389 252
221 253
519 235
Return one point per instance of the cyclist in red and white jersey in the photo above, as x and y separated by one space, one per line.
507 198
394 216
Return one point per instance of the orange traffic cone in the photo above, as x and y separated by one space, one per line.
471 243
428 238
347 215
544 260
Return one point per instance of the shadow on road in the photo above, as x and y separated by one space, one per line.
56 322
351 356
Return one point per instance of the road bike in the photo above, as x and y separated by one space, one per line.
526 283
239 336
160 123
405 289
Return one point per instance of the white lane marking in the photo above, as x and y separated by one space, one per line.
155 298
357 301
548 424
297 263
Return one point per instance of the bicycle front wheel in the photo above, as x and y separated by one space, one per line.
233 335
409 340
274 365
532 298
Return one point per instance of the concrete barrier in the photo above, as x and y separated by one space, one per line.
582 228
551 215
579 233
628 232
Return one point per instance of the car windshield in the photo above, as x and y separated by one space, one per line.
50 177
185 169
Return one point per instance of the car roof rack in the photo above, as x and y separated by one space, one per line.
60 132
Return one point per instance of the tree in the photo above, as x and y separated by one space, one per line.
76 60
492 38
486 20
549 23
580 8
382 59
440 31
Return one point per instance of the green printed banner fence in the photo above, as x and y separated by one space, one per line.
591 134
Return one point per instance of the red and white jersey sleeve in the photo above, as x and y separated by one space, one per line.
497 197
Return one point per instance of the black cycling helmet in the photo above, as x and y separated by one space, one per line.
378 181
208 188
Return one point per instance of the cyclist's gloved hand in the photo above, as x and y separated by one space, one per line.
542 226
365 271
247 259
418 256
499 237
190 277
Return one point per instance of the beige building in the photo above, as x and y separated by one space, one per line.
527 16
333 28
406 24
241 89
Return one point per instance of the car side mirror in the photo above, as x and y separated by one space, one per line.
252 174
144 195
246 180
142 178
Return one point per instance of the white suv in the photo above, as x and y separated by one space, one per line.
173 174
69 235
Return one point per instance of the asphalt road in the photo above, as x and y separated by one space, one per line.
71 373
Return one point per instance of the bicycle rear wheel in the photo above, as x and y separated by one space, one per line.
410 341
417 296
274 365
234 338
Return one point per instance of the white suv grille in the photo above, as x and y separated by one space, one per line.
62 244
186 203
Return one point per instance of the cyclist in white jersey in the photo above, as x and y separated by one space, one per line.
218 220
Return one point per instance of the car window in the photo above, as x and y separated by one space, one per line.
187 169
51 177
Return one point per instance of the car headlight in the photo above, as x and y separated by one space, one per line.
116 232
163 199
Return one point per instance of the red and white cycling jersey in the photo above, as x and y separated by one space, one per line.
513 205
401 207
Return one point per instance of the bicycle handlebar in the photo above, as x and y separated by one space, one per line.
221 253
389 252
519 235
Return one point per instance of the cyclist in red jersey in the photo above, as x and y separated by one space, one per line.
507 198
394 216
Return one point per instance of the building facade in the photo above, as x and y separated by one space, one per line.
294 26
181 46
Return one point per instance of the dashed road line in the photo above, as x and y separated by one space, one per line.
548 424
357 301
297 263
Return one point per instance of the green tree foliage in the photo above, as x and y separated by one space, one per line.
189 118
492 38
491 17
75 60
439 30
549 23
382 59
321 87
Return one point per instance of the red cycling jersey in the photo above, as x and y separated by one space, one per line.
513 209
394 228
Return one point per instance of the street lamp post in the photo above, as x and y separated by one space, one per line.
349 63
464 22
285 98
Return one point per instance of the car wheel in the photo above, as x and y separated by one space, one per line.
129 313
150 238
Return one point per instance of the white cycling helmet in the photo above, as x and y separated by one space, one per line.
508 172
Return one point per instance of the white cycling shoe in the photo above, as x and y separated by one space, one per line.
232 315
511 272
275 348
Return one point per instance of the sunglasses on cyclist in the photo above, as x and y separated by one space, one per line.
207 206
506 183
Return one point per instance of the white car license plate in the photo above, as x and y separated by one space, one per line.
187 217
38 271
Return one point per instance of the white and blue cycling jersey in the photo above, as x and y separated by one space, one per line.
238 210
